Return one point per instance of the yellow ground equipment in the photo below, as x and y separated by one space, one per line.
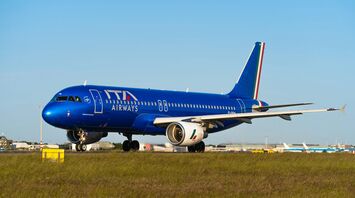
56 155
263 151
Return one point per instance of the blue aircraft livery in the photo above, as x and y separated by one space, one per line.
89 112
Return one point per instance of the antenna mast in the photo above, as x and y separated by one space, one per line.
40 126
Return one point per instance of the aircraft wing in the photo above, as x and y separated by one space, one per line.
244 117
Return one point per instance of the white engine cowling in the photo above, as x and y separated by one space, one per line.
184 133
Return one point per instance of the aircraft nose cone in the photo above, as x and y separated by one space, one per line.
48 114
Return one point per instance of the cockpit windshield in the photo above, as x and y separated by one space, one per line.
77 99
67 98
62 98
71 98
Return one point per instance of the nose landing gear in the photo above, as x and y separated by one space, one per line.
129 144
80 147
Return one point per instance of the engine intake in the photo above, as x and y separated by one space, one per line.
184 133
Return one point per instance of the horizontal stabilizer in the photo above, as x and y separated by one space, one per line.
264 108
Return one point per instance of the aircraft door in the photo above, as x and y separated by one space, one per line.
98 103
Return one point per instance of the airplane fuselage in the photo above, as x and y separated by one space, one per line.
131 110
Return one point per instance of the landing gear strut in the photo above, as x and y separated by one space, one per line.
80 147
129 144
199 148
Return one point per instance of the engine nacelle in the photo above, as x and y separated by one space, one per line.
82 137
184 133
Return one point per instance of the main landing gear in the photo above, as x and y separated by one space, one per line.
129 144
80 147
199 148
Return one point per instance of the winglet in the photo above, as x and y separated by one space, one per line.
343 108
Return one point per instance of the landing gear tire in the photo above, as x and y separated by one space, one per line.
135 145
77 147
191 149
80 147
83 147
126 146
199 148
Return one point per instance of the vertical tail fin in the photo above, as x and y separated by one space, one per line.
248 84
286 146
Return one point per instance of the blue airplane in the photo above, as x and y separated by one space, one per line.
89 112
307 149
321 149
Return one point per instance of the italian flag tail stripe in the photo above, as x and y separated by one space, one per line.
258 75
193 134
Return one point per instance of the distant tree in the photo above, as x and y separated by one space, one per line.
118 146
64 146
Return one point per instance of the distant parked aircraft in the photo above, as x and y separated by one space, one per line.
293 149
321 149
89 112
307 149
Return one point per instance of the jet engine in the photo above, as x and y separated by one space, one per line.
83 137
184 133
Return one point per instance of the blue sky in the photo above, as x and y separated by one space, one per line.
46 46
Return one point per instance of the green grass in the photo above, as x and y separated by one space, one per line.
178 175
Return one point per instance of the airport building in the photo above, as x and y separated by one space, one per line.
20 146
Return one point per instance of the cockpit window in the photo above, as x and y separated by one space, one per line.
67 98
77 99
62 98
71 98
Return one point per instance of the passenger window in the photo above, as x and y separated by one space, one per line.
62 98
